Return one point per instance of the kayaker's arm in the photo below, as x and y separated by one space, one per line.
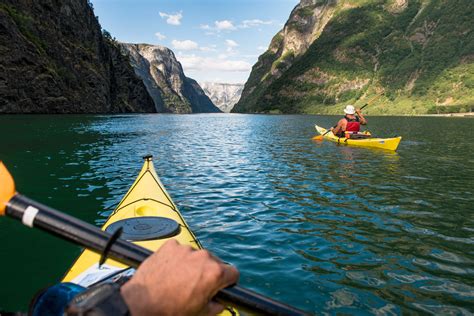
339 127
177 280
362 119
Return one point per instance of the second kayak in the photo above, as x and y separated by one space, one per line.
382 143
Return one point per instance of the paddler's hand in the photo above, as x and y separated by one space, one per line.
178 280
363 121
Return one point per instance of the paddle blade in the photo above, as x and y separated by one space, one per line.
7 188
318 137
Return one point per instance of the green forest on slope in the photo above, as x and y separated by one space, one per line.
420 58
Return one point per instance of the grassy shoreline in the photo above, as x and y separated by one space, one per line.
464 114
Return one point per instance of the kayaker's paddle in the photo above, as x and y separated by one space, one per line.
34 214
321 137
371 100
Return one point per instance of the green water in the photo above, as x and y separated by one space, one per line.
324 227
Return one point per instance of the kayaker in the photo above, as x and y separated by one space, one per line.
350 122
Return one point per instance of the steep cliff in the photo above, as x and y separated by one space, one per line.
417 54
305 24
54 59
164 79
223 95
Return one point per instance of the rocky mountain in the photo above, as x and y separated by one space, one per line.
55 59
165 81
305 23
418 55
223 95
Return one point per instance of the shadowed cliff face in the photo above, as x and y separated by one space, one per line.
54 59
165 80
417 54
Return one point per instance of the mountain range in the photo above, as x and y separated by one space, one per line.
416 56
223 95
55 58
410 56
165 81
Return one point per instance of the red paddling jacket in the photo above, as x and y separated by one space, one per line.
353 125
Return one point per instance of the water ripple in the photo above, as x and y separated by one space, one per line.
328 228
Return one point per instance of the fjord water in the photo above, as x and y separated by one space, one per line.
327 228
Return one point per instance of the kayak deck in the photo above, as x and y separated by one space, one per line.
147 197
382 143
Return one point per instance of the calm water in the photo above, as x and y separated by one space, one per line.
327 228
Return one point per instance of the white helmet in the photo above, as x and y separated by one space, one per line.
349 109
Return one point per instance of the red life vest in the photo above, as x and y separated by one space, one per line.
353 125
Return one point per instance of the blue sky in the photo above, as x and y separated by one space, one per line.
215 40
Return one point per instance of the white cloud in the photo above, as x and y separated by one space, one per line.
184 45
224 25
173 19
262 48
160 36
231 43
193 62
253 23
209 29
191 45
207 49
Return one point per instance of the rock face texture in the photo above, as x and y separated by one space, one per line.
305 24
416 54
223 95
165 81
55 59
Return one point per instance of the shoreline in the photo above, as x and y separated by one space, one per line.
463 114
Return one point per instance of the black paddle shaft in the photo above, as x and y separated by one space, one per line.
34 214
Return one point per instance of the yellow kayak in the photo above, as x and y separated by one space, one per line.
382 143
148 217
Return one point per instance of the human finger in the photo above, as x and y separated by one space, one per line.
228 275
214 308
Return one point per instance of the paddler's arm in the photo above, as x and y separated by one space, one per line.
362 119
177 280
339 127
